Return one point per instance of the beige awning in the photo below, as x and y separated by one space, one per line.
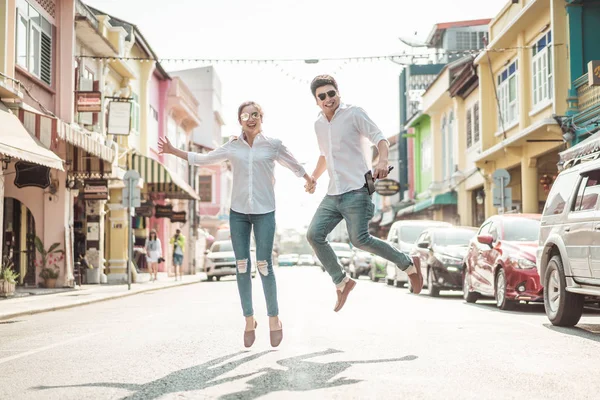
16 142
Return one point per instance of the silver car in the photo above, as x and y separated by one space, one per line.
220 260
568 255
403 235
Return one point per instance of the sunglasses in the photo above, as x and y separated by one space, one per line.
245 116
323 96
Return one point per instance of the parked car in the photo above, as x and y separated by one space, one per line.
288 260
219 260
569 243
360 264
501 261
344 253
306 259
403 235
442 252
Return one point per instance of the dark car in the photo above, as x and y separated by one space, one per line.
441 253
501 261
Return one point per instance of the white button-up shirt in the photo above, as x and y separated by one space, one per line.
253 170
344 142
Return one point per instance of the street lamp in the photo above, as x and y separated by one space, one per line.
5 161
480 197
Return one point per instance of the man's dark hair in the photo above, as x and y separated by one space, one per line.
177 231
322 80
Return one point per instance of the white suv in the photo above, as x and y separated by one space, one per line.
568 255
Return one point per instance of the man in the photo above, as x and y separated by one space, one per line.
342 130
178 243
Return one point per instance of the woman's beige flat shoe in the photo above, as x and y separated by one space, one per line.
277 336
250 336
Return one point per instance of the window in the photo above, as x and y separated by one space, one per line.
484 230
449 155
469 128
471 40
426 154
542 69
135 114
34 42
508 96
87 83
476 123
587 194
521 229
205 188
560 192
153 128
444 145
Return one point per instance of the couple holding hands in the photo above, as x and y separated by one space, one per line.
341 130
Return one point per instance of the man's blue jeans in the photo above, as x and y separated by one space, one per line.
356 208
240 226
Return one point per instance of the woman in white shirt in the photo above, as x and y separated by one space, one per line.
153 252
252 156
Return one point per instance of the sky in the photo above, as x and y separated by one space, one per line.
283 29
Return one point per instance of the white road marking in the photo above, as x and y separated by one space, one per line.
51 346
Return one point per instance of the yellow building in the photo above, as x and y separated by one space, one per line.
523 81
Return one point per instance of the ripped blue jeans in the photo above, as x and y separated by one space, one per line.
240 226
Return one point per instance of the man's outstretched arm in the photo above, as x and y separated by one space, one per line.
320 168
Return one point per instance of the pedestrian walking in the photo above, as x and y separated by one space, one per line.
252 156
343 132
153 253
178 243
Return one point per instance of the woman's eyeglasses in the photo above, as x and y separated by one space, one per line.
245 116
323 96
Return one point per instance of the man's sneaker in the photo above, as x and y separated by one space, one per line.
416 278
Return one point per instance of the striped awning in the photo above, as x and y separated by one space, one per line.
85 165
159 179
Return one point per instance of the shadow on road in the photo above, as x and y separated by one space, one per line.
194 378
521 308
585 331
299 375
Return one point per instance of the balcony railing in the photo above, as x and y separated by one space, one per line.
180 90
588 97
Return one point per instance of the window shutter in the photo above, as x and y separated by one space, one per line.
476 122
95 88
469 130
46 59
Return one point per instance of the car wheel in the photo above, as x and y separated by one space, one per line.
468 295
398 284
218 278
434 291
501 301
390 282
210 278
562 308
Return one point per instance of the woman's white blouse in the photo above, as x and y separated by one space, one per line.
253 170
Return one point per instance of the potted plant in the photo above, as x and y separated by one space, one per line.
48 262
8 277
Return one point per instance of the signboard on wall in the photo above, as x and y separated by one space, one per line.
145 210
95 189
163 211
594 73
119 118
180 216
28 174
88 101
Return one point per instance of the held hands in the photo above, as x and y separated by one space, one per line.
311 184
381 170
165 146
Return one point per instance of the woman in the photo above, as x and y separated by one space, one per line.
252 156
153 253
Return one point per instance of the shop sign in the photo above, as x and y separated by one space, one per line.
387 187
145 210
89 101
28 174
95 189
180 216
594 73
119 118
163 211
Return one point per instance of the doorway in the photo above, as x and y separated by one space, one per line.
19 240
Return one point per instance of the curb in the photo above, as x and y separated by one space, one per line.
87 302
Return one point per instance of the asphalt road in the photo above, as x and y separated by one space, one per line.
186 343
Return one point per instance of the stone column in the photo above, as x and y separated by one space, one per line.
119 242
94 249
529 185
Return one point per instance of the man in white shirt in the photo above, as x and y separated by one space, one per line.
343 132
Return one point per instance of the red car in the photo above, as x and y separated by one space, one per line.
501 261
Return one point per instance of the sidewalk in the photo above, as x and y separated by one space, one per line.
87 294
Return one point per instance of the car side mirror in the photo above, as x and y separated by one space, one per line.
423 245
486 239
206 251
